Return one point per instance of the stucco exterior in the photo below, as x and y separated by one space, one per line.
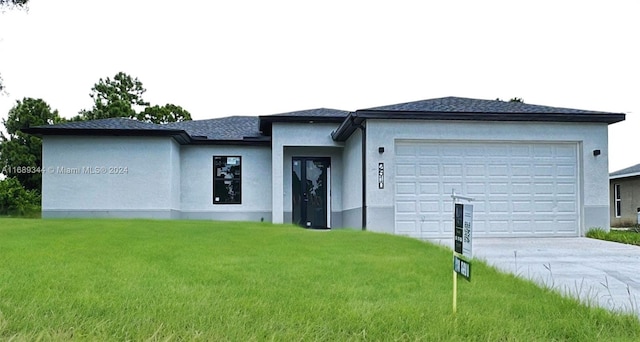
593 170
196 183
110 177
310 140
352 193
629 201
125 168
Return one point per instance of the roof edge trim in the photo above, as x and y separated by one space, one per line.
625 175
491 116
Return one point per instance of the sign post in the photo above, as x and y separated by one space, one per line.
462 237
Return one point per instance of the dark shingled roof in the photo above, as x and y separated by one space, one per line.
460 108
111 123
317 112
229 128
223 130
257 130
626 172
111 126
465 105
309 115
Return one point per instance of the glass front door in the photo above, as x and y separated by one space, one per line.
310 184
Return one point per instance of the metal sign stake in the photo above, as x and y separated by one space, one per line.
457 261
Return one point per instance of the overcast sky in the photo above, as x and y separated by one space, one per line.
222 58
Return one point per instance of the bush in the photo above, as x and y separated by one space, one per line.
16 201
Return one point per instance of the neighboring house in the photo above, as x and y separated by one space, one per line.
532 170
624 187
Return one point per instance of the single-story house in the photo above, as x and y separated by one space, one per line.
624 187
532 170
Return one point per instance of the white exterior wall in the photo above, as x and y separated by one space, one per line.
305 135
110 177
196 183
336 179
352 181
593 170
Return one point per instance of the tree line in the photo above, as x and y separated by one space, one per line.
117 97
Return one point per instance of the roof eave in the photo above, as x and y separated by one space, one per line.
266 122
179 135
244 142
347 127
625 175
608 118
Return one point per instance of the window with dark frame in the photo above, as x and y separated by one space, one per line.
618 200
227 180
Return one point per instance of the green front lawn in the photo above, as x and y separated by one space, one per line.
628 236
189 280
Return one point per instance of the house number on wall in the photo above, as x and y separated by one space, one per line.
380 175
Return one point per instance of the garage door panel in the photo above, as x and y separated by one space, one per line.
431 227
520 189
452 170
566 207
406 150
476 189
406 207
430 207
499 207
429 188
448 187
499 188
546 188
405 188
543 171
498 170
566 171
428 170
524 206
495 226
405 169
406 227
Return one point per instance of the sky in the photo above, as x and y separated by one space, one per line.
222 58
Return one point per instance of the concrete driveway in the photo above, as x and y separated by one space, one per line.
599 272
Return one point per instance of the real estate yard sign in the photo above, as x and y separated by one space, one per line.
462 239
462 228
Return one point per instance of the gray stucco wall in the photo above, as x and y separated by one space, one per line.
352 181
196 183
336 179
629 201
109 176
286 135
593 170
148 177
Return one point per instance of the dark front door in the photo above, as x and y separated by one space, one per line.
310 184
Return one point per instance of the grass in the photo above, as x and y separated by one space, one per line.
628 236
198 280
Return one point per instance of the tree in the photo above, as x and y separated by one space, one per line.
10 4
513 99
115 98
164 114
15 200
120 97
13 3
21 153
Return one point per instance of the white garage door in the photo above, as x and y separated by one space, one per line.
520 189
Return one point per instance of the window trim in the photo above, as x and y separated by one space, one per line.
215 178
617 201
